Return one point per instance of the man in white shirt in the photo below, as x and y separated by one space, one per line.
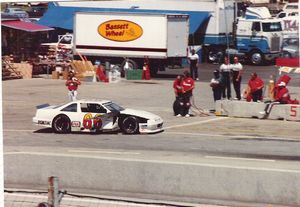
237 70
193 60
225 70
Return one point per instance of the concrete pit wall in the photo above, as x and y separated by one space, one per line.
243 109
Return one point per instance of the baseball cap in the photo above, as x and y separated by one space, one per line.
281 83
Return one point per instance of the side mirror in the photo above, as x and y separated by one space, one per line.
254 32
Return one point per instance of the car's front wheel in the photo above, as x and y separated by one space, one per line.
61 124
129 125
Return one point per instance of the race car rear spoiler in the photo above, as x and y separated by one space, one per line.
42 106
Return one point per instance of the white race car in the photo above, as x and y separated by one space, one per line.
96 116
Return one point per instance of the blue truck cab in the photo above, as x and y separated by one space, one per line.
259 39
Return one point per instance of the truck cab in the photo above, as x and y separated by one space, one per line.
259 39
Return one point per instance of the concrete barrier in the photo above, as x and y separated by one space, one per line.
158 179
243 109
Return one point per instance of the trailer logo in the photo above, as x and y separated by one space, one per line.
120 30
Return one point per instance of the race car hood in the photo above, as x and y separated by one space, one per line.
139 113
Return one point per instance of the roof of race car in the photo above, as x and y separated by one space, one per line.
91 101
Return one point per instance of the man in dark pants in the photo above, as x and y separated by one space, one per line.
188 85
237 70
216 84
177 86
225 70
194 59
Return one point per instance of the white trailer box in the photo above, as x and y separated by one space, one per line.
135 35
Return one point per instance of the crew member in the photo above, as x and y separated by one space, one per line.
72 84
188 85
282 97
193 60
216 84
225 69
177 86
237 70
255 85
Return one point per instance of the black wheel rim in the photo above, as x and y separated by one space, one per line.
130 126
61 124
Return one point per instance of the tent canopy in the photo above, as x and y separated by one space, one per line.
25 26
62 17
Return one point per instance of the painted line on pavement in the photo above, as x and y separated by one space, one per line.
238 158
234 136
105 152
197 122
65 198
154 161
17 130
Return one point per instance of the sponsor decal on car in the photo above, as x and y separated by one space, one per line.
43 122
90 122
75 123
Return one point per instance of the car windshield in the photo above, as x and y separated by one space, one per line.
291 7
58 106
18 10
113 106
291 41
272 27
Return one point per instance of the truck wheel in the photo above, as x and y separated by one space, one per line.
132 65
129 125
256 58
215 56
61 124
286 54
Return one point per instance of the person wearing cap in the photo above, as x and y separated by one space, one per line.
281 97
187 85
216 85
285 78
193 60
225 70
237 70
255 86
72 83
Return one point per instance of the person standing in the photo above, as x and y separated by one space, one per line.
72 83
216 84
188 85
193 60
255 85
177 86
225 70
237 70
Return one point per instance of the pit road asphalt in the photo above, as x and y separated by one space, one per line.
213 139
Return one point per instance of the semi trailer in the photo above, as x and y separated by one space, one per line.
134 38
213 26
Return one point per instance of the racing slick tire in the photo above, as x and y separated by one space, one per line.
129 125
61 124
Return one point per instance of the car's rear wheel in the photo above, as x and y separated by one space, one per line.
129 125
61 124
287 55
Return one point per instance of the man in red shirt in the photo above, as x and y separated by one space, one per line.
255 85
72 84
187 85
178 94
282 97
